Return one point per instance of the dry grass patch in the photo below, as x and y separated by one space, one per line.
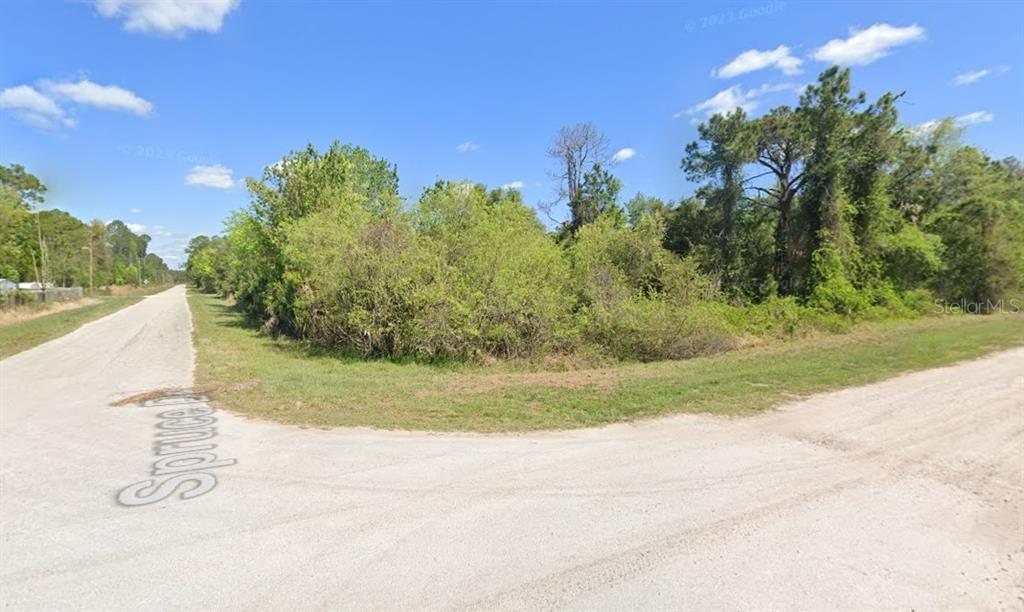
28 312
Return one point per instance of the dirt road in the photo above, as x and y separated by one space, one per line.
908 494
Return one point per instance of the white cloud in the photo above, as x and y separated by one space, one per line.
466 147
866 46
623 154
722 102
962 121
110 97
775 87
975 118
974 75
215 176
137 228
27 98
168 17
924 128
135 211
34 108
730 99
752 60
514 185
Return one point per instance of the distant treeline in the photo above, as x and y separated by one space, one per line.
809 217
51 246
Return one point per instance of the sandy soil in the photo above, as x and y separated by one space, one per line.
907 494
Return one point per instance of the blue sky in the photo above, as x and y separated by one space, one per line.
139 111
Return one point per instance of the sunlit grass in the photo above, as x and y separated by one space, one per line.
283 380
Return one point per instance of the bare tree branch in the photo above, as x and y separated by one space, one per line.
577 149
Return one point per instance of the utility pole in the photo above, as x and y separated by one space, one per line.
43 259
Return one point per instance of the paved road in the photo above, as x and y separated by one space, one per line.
901 495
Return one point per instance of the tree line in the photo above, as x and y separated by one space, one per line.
52 246
814 216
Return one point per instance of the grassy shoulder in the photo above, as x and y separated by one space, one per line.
24 334
284 380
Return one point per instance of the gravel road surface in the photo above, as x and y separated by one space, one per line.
908 494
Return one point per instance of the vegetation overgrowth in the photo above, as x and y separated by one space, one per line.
288 380
807 218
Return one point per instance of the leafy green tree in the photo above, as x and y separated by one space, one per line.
30 189
827 113
781 147
981 224
64 237
598 195
690 231
20 253
724 147
817 216
641 206
295 188
874 143
206 263
17 243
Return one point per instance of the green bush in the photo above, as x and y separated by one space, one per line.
912 258
467 275
783 318
611 263
919 301
833 291
361 283
639 300
653 328
507 279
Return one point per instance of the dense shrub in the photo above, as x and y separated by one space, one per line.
467 274
611 263
652 328
833 290
912 258
344 179
637 299
919 301
782 317
361 283
507 280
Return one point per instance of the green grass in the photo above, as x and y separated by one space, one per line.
286 381
23 335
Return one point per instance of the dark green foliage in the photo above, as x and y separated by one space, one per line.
598 196
724 148
864 215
